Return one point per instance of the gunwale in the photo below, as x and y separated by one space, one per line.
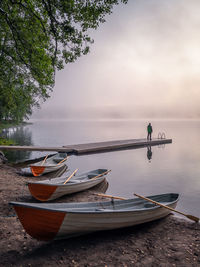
72 182
73 210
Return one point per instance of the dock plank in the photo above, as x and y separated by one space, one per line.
37 148
116 145
95 147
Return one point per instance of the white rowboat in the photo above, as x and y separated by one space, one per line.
48 165
51 189
48 221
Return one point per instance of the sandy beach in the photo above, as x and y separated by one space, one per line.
171 241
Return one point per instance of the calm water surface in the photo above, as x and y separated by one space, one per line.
173 168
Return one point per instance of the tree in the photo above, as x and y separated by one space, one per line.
36 38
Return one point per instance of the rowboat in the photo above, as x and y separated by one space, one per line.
48 221
50 175
47 165
51 189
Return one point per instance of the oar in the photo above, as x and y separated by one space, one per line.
101 174
70 176
103 195
44 160
62 160
191 217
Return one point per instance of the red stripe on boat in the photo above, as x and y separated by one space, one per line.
37 170
41 192
40 224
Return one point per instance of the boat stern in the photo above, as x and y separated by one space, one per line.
40 224
37 170
41 192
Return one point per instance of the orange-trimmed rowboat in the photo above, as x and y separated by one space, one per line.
48 221
51 189
51 164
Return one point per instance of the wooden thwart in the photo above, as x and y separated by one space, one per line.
63 160
44 160
109 196
70 176
104 173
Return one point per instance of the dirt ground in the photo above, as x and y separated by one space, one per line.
167 242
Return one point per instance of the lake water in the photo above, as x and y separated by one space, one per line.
173 167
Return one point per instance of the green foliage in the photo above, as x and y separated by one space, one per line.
36 38
3 140
6 142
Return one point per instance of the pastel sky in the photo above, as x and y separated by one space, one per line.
144 63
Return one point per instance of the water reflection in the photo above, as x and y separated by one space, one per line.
149 153
21 136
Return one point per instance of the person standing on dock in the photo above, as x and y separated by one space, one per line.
149 131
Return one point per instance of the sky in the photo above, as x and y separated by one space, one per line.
144 63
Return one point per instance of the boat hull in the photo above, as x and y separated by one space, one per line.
45 192
51 189
64 220
50 165
75 225
40 170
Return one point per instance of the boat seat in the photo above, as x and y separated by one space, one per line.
149 205
74 182
57 160
90 176
101 209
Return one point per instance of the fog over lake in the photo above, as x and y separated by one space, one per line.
144 63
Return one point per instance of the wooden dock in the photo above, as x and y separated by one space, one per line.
94 147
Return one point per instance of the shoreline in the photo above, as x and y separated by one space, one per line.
172 241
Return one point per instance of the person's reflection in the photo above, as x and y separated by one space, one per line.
149 153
